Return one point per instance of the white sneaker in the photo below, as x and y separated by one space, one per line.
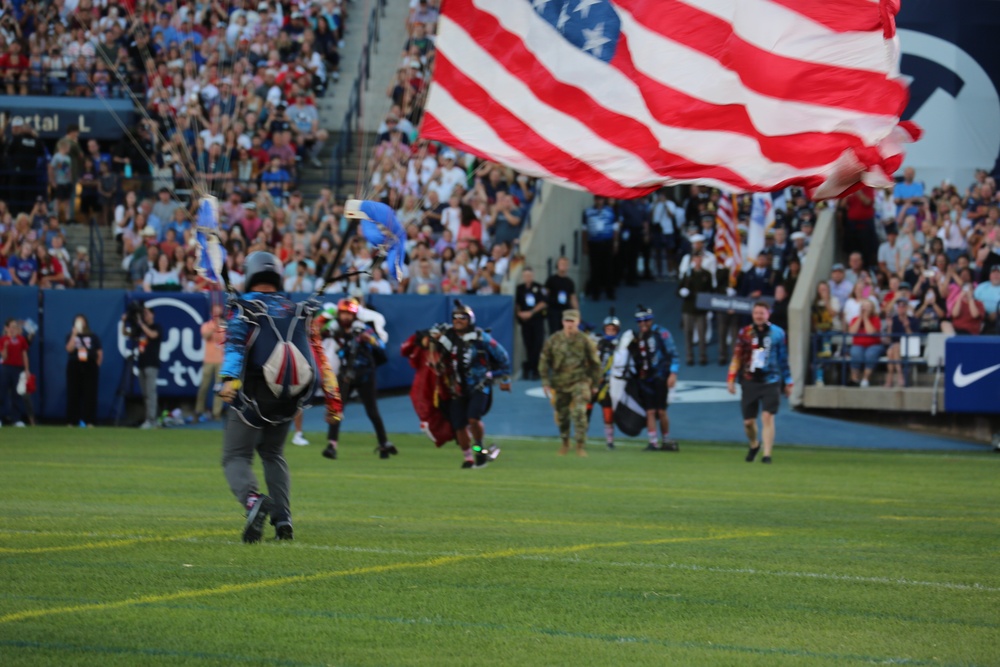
19 424
864 383
146 425
299 439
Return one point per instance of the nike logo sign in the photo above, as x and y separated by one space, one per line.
962 380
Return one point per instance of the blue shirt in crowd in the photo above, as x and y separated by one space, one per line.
600 223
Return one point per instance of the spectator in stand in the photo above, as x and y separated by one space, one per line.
908 193
988 293
859 230
424 281
840 287
863 292
866 345
50 270
61 181
902 325
162 278
967 313
23 267
932 312
826 310
893 254
81 268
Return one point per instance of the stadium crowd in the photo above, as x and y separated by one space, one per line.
226 94
225 99
920 260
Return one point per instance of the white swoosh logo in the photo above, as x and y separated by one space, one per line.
962 380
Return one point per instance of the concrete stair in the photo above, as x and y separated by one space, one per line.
114 276
385 58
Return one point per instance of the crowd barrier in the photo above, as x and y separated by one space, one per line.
181 316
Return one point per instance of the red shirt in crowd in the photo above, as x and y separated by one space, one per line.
11 63
858 210
13 351
862 339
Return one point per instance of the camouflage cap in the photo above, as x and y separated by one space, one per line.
571 314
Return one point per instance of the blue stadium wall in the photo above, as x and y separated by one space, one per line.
181 316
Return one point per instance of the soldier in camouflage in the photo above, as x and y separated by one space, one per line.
571 373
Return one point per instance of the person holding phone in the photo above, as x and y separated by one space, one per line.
867 343
967 312
83 365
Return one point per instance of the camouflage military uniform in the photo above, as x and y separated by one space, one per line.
570 365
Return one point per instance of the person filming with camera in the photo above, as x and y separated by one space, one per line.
141 328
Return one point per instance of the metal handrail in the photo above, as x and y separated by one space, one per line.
345 143
843 360
96 251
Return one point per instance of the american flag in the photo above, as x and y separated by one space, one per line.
621 97
727 237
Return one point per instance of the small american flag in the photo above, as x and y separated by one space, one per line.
621 97
727 237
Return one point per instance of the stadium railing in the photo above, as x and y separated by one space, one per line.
344 147
831 350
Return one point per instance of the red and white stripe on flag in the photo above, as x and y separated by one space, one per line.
727 236
620 97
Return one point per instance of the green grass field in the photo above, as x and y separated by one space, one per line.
121 547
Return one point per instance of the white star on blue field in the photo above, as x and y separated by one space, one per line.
590 25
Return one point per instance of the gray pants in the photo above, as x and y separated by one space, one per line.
147 382
695 323
239 442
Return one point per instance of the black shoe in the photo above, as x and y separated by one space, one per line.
722 361
611 446
752 453
670 446
486 455
283 532
482 457
766 459
256 516
330 452
704 362
391 448
690 362
651 448
383 452
468 465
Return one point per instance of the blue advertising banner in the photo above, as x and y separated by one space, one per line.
182 350
50 116
405 314
102 308
972 374
496 315
949 53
